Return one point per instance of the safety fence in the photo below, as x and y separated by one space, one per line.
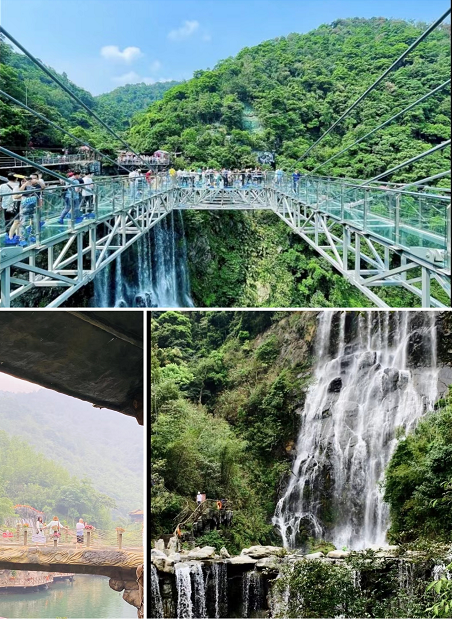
23 535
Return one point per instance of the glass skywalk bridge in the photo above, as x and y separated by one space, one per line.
392 237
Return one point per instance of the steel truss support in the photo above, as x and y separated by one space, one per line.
72 262
376 263
365 260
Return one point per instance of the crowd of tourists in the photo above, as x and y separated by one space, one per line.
55 527
21 198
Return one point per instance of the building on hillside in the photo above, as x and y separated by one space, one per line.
136 516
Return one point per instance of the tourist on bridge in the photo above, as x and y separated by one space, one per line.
296 176
38 535
55 526
80 529
10 207
133 185
86 206
72 198
31 200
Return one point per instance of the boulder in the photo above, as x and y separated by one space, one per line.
241 559
338 555
314 556
224 553
173 559
173 545
133 597
156 553
117 585
201 554
160 545
387 551
260 551
268 562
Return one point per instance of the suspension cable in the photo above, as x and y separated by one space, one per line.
394 65
432 178
390 120
67 90
438 147
46 120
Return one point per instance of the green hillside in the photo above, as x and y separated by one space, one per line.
24 81
104 446
283 94
118 106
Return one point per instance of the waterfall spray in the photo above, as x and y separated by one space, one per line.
156 598
364 389
183 584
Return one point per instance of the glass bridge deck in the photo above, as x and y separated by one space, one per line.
408 220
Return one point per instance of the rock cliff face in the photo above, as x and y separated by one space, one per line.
258 583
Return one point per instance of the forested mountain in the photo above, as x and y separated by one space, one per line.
283 94
29 478
24 81
105 447
118 106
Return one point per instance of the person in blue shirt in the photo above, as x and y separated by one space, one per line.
296 176
72 197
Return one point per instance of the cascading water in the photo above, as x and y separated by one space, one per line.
199 591
156 597
183 584
366 386
252 593
153 272
220 582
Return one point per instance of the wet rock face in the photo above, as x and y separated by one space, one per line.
335 386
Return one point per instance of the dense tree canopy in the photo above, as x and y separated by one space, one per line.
27 477
418 484
283 94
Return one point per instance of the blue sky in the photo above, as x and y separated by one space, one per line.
102 44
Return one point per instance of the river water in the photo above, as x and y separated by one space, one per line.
87 596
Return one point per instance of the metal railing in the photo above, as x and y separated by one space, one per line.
48 160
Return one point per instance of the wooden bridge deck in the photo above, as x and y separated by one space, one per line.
109 561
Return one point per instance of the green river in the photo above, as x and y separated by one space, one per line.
86 597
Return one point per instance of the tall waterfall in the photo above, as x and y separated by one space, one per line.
156 598
367 384
183 584
252 593
153 272
220 581
199 591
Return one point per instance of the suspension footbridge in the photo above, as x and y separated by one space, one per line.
376 234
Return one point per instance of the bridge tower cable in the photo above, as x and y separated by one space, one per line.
440 175
68 91
395 65
390 120
68 133
438 147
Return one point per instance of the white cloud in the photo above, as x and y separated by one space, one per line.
156 65
207 37
128 55
186 30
